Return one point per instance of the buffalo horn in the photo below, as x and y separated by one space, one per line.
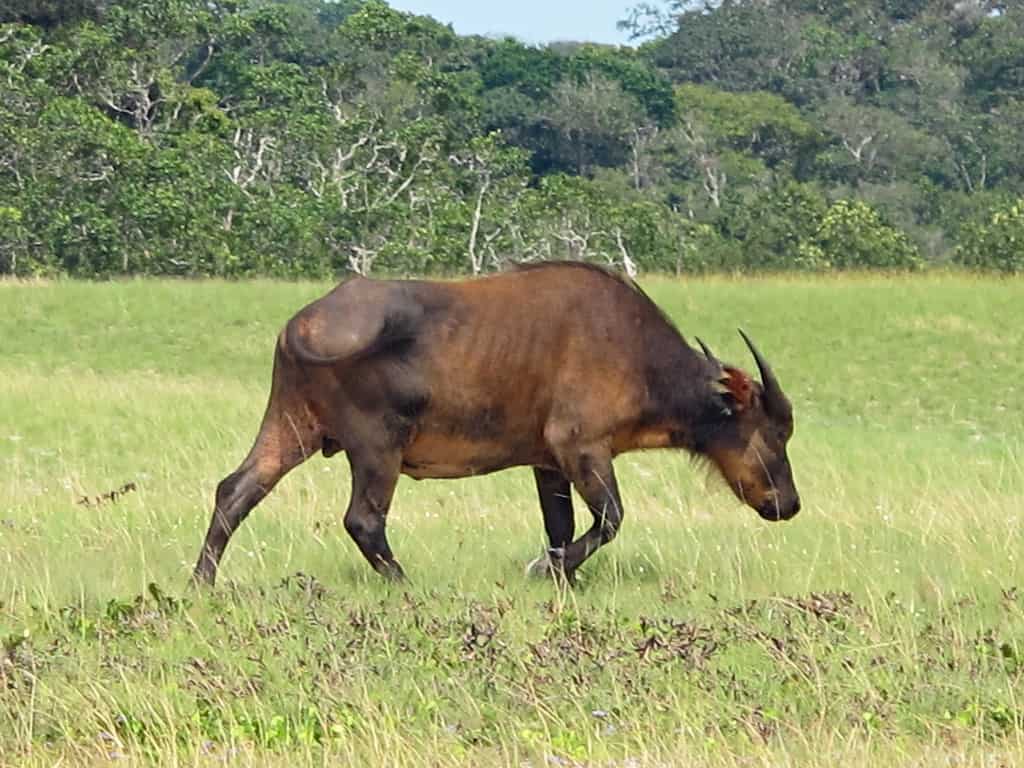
772 391
707 352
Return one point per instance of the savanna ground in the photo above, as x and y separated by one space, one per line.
884 625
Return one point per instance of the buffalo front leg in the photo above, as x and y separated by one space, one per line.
374 477
555 495
591 473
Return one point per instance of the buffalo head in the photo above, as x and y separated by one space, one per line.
748 443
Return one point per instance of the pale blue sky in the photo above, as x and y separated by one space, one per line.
532 21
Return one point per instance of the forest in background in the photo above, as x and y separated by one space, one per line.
316 137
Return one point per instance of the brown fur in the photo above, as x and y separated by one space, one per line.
560 367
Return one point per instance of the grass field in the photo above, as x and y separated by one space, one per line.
884 625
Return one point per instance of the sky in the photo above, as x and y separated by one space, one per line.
532 21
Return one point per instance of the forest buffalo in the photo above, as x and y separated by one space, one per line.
556 366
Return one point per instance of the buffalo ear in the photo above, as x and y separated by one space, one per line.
739 386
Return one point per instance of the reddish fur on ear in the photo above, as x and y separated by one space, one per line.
739 386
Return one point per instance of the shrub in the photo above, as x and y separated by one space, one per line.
996 243
853 236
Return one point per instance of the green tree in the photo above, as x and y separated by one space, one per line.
50 14
594 118
772 229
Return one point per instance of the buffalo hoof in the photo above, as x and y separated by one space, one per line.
202 579
550 563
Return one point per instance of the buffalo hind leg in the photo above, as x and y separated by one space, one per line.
282 444
593 477
374 477
555 496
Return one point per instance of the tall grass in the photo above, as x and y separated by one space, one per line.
882 625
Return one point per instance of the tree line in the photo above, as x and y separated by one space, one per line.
314 137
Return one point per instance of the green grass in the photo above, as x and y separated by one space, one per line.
883 625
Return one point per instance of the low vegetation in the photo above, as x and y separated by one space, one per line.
883 625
